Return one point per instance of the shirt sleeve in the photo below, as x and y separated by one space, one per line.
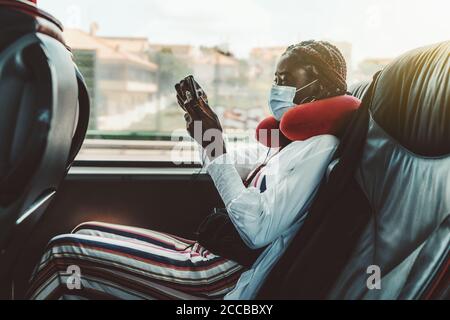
260 218
244 158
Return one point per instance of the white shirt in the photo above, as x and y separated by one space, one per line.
270 215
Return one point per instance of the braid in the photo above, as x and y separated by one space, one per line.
327 59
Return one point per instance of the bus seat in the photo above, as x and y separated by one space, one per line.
386 204
44 115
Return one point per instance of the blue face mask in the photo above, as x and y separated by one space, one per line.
282 99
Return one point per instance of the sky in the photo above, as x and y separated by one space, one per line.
376 28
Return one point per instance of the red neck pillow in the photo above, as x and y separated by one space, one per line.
327 116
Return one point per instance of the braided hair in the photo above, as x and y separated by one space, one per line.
329 62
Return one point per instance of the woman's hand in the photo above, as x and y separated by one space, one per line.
202 122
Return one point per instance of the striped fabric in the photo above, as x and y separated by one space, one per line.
121 262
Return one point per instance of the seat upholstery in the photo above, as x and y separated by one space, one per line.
405 175
43 98
412 99
386 203
358 90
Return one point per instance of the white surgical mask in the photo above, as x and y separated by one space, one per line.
282 98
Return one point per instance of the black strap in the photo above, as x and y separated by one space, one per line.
321 248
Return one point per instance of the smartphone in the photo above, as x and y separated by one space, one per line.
191 92
197 95
192 89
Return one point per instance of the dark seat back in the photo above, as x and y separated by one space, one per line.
44 115
359 90
405 175
387 202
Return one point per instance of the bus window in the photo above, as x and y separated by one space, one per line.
131 54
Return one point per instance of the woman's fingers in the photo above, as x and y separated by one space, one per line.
193 110
190 104
184 89
185 101
201 93
187 117
198 110
200 107
181 103
181 98
206 110
180 91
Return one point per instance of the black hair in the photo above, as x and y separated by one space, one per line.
328 60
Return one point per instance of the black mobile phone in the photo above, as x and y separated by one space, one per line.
192 88
197 94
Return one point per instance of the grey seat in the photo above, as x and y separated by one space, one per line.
359 90
387 202
405 175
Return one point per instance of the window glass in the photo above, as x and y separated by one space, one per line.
132 52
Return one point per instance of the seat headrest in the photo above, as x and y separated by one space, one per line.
411 100
359 90
24 16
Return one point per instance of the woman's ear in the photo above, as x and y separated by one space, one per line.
319 87
309 77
